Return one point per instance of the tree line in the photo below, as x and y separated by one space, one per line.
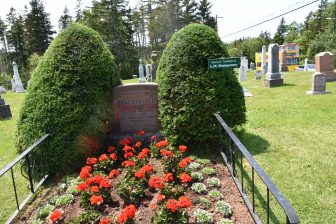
130 34
316 34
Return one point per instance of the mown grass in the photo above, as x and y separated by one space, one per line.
293 137
8 152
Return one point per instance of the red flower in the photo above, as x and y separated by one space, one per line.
184 162
105 183
162 144
160 197
128 214
155 182
126 141
139 174
94 180
183 148
105 220
56 215
85 172
96 200
168 177
94 189
172 205
103 157
153 206
153 138
82 186
147 168
166 153
127 148
110 149
114 156
138 144
113 173
185 178
91 161
128 163
141 133
184 202
128 155
144 152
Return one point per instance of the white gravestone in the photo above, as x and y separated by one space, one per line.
18 87
243 69
141 72
263 60
148 72
273 76
318 84
2 90
306 65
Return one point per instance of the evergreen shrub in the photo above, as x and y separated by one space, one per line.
68 98
189 94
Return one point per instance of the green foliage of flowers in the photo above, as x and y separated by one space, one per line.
203 216
36 222
225 221
196 176
199 188
131 190
203 161
163 216
216 194
89 216
67 97
65 199
44 211
189 93
224 208
208 170
193 166
213 182
204 202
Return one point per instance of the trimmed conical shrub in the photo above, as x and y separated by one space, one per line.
68 96
189 94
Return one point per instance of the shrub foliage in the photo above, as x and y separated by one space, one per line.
189 94
67 96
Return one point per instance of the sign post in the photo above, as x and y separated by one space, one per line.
223 63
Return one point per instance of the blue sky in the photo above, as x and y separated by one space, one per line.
236 14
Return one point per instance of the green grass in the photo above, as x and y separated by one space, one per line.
7 154
136 80
293 137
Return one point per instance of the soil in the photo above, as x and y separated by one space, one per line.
240 213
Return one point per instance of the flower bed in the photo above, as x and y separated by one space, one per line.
135 183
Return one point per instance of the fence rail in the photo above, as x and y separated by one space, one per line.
27 162
232 147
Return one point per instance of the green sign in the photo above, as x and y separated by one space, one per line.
222 63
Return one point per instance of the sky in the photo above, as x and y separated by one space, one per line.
232 15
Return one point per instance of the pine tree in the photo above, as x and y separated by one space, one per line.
3 28
279 36
189 12
78 11
65 19
204 14
38 28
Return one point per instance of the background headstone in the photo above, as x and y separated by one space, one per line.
263 60
141 72
18 87
2 90
4 109
242 73
258 74
148 72
325 64
318 84
154 66
135 108
252 66
273 76
305 65
283 61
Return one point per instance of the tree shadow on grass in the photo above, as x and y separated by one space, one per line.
253 143
289 84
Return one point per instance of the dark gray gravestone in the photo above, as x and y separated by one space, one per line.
273 76
4 109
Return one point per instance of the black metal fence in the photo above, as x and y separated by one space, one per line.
234 154
27 162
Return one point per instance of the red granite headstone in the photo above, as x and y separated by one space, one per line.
135 107
325 65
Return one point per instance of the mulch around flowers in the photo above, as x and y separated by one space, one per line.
144 213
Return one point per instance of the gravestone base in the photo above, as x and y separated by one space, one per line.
312 92
5 111
330 76
269 83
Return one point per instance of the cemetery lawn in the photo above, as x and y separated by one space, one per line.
293 137
7 154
